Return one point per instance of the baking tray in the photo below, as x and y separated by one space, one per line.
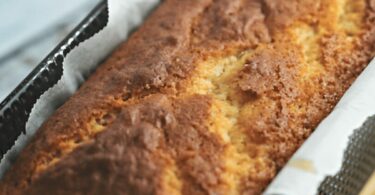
17 106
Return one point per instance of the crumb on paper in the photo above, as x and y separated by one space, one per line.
303 164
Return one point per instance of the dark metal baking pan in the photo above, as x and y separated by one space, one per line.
16 108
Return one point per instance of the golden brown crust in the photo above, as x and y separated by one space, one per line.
207 97
131 155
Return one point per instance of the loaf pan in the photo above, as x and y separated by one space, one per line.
16 107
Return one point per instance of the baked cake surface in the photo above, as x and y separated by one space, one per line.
206 97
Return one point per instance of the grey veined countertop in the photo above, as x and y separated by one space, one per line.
29 30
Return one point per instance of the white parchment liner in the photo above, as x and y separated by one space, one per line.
124 16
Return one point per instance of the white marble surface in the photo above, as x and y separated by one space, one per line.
29 30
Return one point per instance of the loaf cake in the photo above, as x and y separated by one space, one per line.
206 97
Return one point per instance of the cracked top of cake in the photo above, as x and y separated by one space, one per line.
206 97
